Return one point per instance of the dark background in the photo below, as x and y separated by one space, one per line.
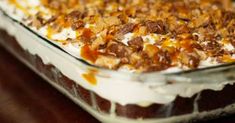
26 98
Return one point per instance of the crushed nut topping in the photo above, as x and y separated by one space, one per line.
156 27
147 35
129 27
136 43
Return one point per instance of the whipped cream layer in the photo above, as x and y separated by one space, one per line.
109 85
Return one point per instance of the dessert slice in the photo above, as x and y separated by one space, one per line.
101 54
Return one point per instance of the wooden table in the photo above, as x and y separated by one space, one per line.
26 98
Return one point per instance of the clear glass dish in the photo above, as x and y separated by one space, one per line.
123 97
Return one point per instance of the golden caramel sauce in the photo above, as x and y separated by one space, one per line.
175 58
109 37
45 2
90 76
89 54
61 9
186 44
64 43
18 6
227 59
87 33
50 32
61 21
169 43
225 41
136 29
151 50
73 3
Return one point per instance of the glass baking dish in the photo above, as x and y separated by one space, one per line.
120 97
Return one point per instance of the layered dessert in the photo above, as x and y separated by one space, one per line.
129 60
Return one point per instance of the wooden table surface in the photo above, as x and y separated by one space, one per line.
26 98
